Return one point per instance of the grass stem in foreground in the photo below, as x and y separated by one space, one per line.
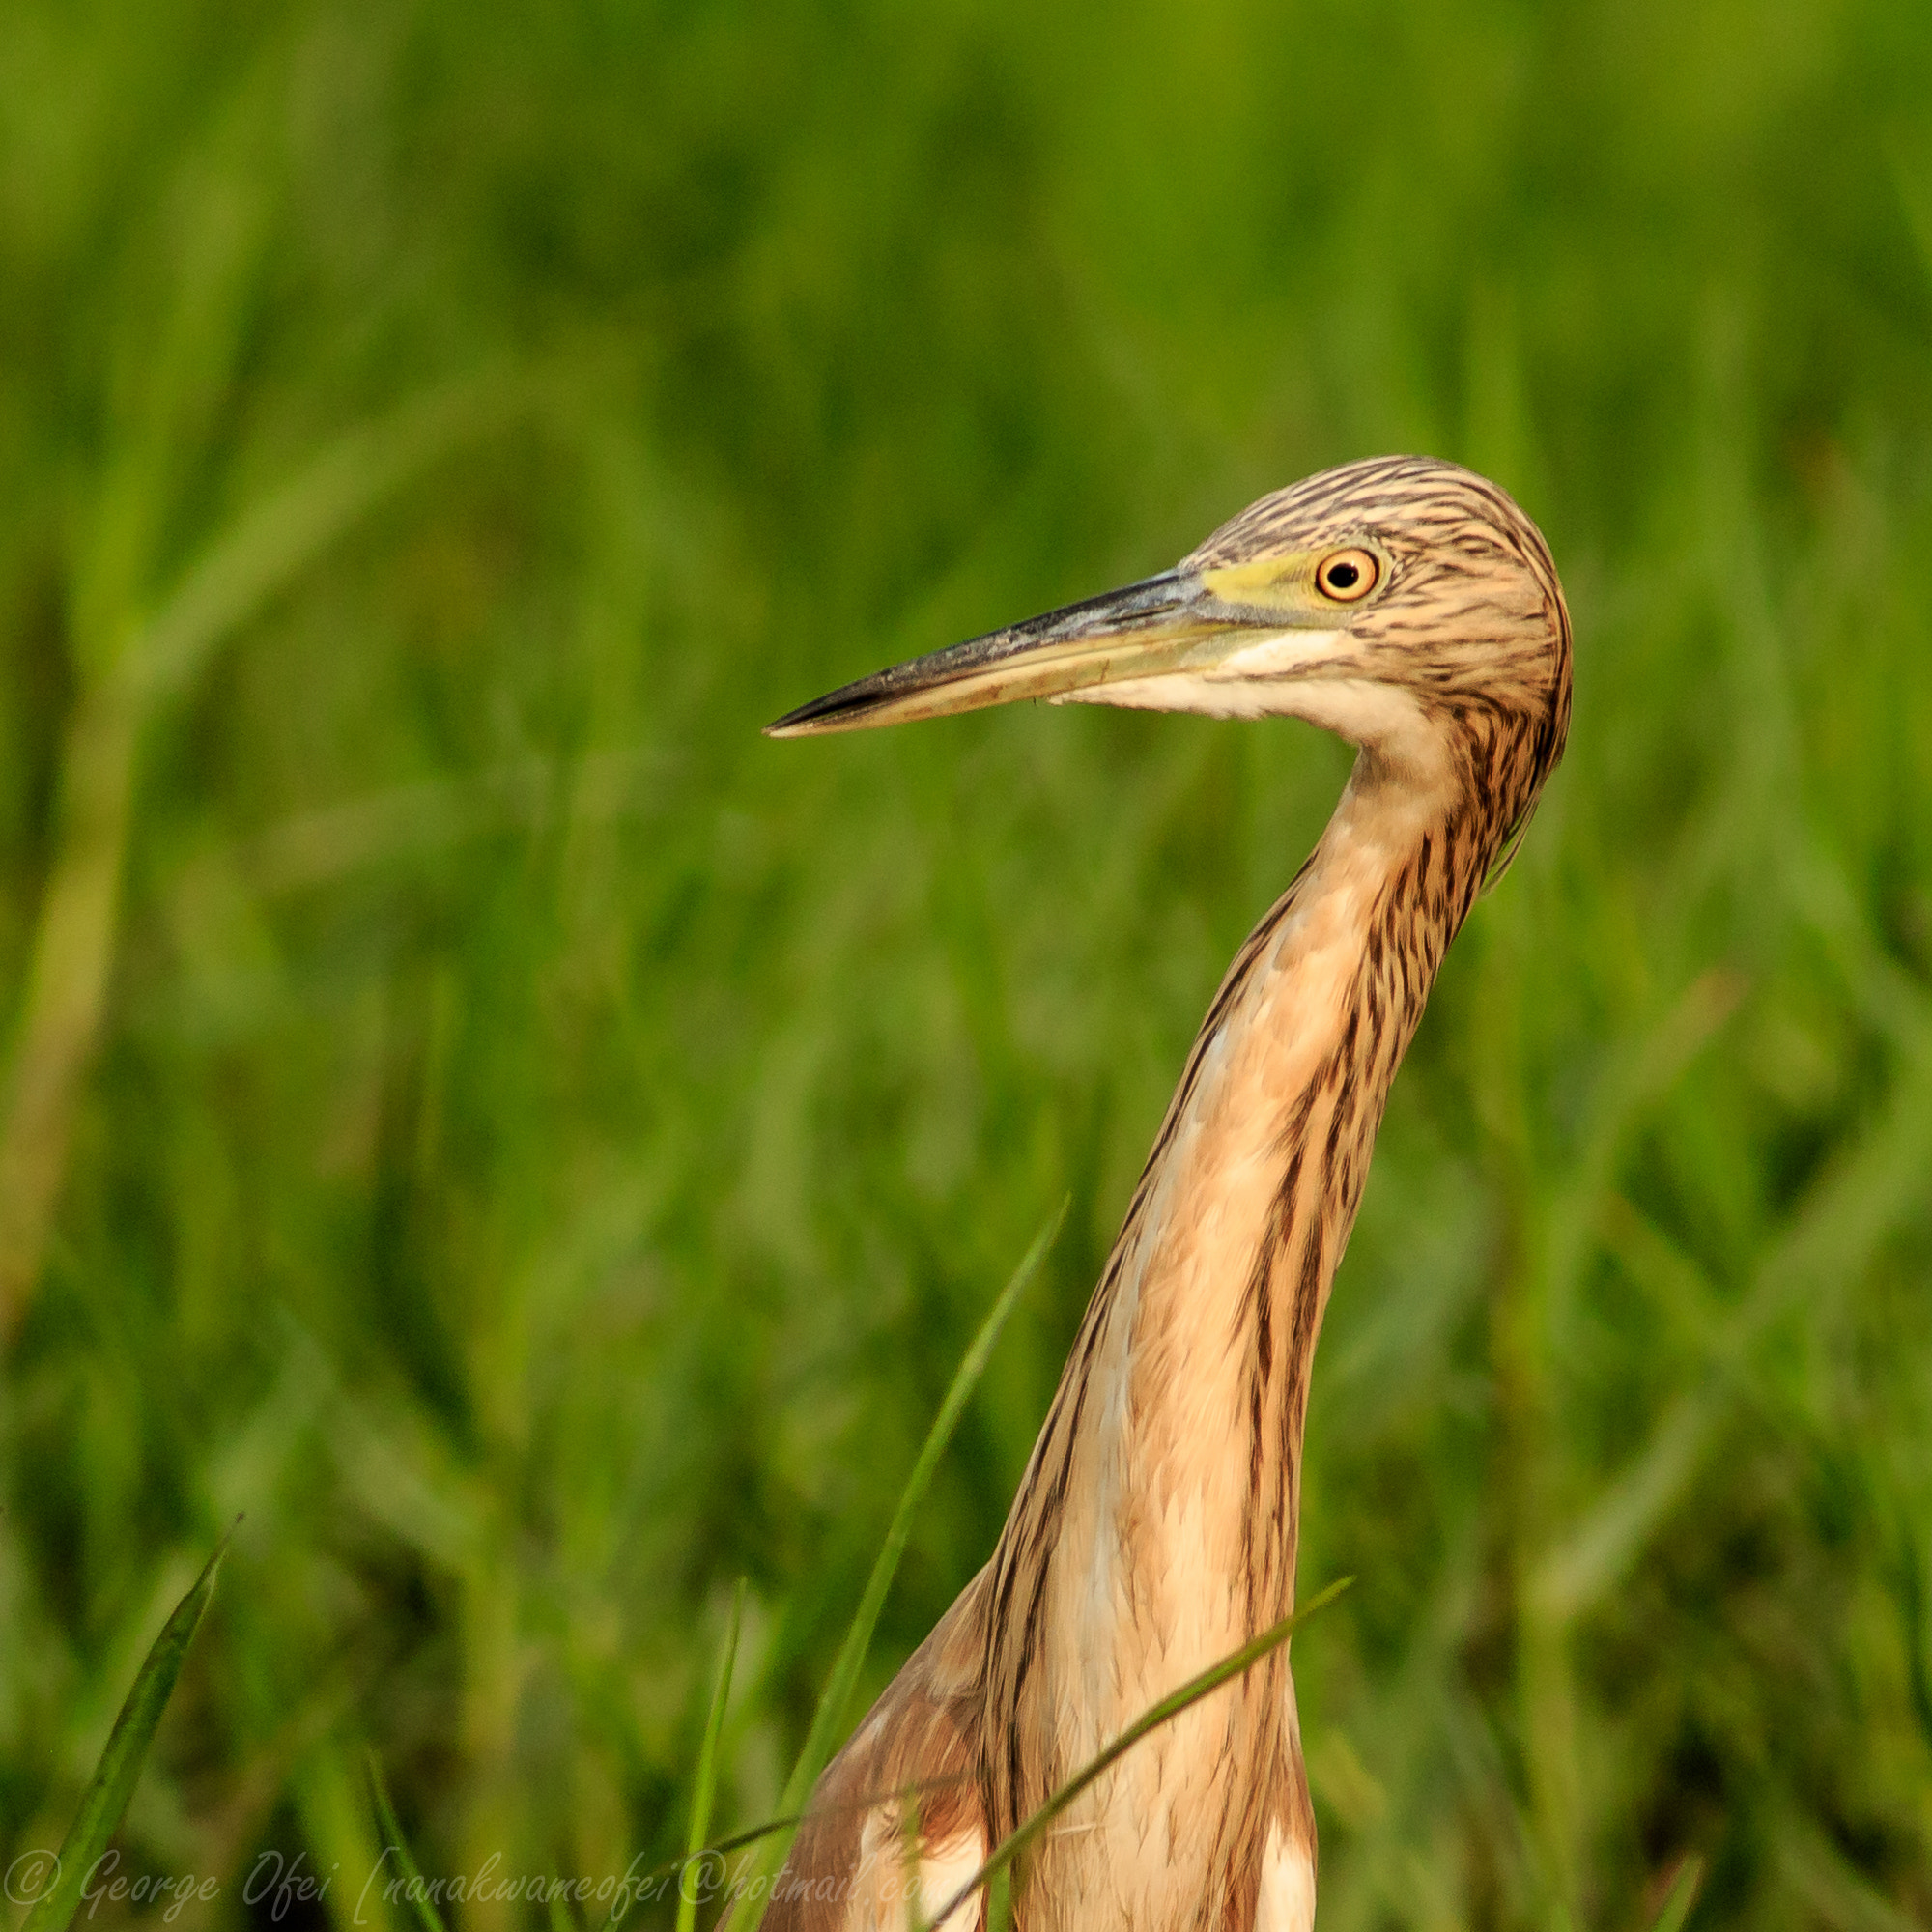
416 1888
1682 1895
707 1766
105 1802
851 1658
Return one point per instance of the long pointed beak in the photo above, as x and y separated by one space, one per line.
1164 624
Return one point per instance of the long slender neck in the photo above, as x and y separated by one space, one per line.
1156 1529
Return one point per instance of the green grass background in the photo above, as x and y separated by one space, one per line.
539 1150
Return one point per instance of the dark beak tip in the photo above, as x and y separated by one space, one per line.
808 721
841 710
795 723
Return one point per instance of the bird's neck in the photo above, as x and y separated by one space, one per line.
1156 1528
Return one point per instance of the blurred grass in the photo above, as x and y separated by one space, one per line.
541 1149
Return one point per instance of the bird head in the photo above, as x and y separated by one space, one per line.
1404 604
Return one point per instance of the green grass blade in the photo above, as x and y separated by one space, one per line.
1150 1719
707 1764
721 1849
105 1799
1000 1901
838 1691
1683 1894
737 1842
416 1888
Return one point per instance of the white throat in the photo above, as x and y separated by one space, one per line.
1294 673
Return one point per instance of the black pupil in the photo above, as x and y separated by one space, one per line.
1343 575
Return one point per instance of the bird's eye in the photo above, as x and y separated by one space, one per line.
1346 576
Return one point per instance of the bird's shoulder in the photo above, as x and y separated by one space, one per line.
909 1767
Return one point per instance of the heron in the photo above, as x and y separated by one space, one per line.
1408 606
